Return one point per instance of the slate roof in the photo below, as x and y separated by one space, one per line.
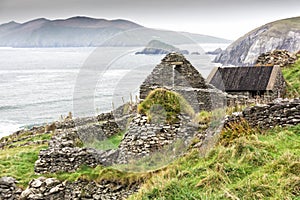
241 78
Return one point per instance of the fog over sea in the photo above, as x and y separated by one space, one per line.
37 84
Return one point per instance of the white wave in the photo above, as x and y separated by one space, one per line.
8 127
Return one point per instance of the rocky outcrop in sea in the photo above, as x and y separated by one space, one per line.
157 47
215 52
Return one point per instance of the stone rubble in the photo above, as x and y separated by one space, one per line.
64 155
277 57
51 188
8 189
141 139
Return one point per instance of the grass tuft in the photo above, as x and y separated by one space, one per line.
236 130
162 105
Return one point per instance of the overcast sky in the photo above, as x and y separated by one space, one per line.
223 18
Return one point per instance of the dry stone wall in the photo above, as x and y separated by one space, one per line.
278 113
64 152
143 138
97 131
8 189
173 71
64 155
51 188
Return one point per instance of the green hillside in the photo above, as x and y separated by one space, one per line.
259 166
292 77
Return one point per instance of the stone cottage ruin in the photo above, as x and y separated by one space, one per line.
176 73
266 82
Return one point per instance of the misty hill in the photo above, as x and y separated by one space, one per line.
158 47
282 34
84 31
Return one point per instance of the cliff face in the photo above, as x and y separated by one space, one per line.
282 34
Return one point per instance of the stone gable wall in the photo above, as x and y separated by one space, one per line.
279 88
177 74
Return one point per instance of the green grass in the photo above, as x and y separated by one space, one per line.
34 138
110 143
13 137
19 163
255 166
162 105
292 77
100 174
236 130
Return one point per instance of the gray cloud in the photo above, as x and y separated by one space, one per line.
185 15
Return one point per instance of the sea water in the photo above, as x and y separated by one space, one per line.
38 85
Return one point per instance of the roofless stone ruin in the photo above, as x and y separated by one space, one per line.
177 74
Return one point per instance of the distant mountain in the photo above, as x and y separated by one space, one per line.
282 34
158 47
84 31
76 31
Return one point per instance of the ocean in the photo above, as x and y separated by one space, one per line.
38 85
